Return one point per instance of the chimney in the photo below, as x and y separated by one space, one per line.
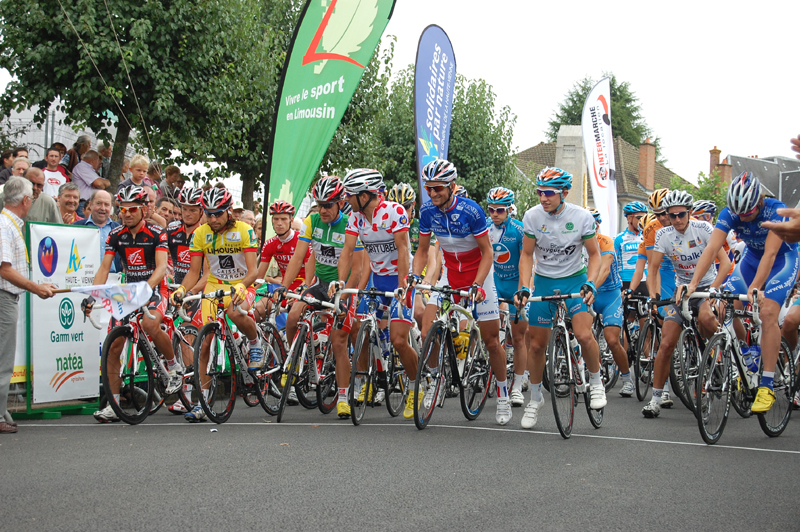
647 164
714 160
724 170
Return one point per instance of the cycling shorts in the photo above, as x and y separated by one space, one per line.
541 314
674 311
609 305
160 302
486 310
641 289
398 311
210 305
780 280
506 288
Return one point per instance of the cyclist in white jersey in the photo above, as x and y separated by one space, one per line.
683 242
556 232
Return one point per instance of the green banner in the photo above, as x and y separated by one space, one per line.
333 42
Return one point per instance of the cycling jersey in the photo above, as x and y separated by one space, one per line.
613 281
506 242
179 242
559 239
138 254
457 230
753 235
225 251
626 246
283 251
388 219
413 236
649 239
685 249
327 240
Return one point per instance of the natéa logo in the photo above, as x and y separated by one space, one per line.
66 313
69 367
344 27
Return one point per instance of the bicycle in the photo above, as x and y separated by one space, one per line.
608 368
646 348
684 369
566 370
714 385
439 366
383 366
274 344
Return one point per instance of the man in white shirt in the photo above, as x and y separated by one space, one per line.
54 175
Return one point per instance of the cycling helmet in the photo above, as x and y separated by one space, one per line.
634 207
402 193
500 196
512 211
132 194
281 207
347 209
702 207
461 191
439 171
328 189
656 198
216 199
677 198
596 215
554 177
363 180
744 193
645 220
190 196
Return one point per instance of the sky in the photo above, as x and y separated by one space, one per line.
707 73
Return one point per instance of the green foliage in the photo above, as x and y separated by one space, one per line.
711 188
626 113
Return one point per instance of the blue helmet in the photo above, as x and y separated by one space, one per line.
500 196
635 207
596 215
554 177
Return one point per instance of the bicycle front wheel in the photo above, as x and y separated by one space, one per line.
189 333
646 349
136 383
713 389
291 375
430 375
774 421
688 367
476 378
397 380
327 393
362 387
269 374
219 378
562 382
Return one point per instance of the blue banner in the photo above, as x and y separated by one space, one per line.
434 85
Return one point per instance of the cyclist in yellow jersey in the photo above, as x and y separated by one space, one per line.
230 246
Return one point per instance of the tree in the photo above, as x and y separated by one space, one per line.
626 113
711 188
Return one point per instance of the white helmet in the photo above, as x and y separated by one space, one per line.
677 198
744 193
363 180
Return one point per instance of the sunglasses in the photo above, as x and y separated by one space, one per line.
129 210
328 205
678 215
436 188
215 214
547 193
749 213
662 213
498 210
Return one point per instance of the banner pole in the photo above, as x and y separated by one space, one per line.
585 191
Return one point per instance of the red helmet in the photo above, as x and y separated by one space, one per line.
328 189
190 196
281 207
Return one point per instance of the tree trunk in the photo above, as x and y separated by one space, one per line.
118 155
248 187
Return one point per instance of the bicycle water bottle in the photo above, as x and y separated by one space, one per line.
752 358
387 343
576 348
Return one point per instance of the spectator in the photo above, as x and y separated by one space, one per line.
249 218
126 169
18 168
154 172
8 158
43 207
100 206
177 211
138 168
69 195
171 184
105 148
152 215
57 146
85 176
13 281
257 228
238 209
54 173
75 154
165 208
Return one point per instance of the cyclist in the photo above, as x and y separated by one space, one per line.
142 247
382 226
684 241
230 247
324 231
608 302
179 239
705 211
460 227
556 232
768 264
626 244
505 234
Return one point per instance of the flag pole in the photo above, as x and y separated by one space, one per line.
585 191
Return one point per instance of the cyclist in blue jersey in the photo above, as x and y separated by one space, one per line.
626 244
769 265
505 234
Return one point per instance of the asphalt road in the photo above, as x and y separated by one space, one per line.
318 472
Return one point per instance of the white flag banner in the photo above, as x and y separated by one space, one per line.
599 145
122 299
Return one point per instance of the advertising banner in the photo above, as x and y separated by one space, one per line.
332 44
434 86
599 145
63 348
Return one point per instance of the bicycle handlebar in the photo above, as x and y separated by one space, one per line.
726 296
181 312
442 289
307 299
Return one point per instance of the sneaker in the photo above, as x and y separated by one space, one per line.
764 400
531 414
627 389
503 415
106 415
651 410
796 401
379 397
516 398
597 396
430 395
292 399
196 415
175 382
362 393
256 357
177 408
666 400
408 413
7 428
343 409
